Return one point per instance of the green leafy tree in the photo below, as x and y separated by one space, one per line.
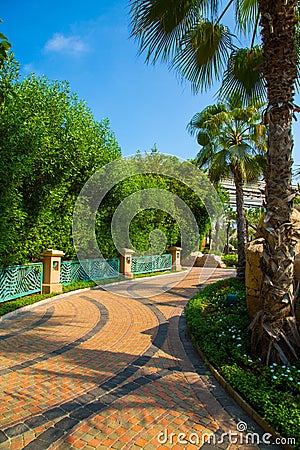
50 146
155 221
192 37
232 141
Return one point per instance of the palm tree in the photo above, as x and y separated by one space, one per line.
189 34
233 145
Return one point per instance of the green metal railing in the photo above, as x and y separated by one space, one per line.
89 269
154 263
18 281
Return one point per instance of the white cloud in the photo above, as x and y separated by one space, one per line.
28 68
71 45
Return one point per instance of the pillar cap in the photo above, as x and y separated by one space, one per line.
175 248
127 250
52 252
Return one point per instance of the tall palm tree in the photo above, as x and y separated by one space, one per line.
233 145
190 35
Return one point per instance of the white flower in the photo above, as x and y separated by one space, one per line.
274 377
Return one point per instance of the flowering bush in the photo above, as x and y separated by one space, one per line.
221 331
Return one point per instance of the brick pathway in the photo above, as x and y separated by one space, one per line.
98 370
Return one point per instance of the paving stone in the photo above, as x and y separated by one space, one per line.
111 371
51 435
16 430
97 392
36 445
36 421
96 406
54 413
85 398
81 413
70 406
3 438
66 424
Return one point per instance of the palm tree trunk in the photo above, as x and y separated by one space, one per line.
217 234
275 336
241 225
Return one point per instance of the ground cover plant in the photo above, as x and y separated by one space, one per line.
220 330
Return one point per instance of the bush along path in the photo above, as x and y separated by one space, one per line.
103 370
220 329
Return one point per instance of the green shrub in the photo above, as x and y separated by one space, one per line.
230 260
221 332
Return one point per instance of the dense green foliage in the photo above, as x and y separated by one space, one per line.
230 260
12 305
222 333
50 145
155 224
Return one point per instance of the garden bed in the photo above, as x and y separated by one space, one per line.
221 332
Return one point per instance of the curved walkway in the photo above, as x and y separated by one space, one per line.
100 369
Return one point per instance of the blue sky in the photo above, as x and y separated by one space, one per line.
87 43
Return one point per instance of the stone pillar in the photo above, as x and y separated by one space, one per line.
254 280
125 262
51 271
176 257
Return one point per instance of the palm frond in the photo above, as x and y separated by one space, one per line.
219 167
204 156
203 55
246 14
200 120
244 76
254 167
239 152
159 25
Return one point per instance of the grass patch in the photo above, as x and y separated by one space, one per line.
152 274
12 305
222 334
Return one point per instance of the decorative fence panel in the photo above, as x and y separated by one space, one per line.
155 263
89 269
19 281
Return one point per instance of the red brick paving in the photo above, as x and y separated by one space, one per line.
177 401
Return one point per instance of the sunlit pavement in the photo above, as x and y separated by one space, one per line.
114 369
